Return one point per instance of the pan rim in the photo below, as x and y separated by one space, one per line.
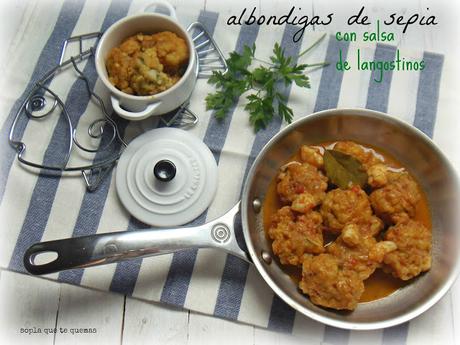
365 113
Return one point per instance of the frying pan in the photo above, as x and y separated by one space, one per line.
407 144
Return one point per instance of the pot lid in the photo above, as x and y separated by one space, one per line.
166 177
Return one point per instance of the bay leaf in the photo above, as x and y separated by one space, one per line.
344 170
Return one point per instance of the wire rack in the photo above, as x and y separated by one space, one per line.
105 129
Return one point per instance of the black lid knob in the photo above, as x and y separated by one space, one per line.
164 170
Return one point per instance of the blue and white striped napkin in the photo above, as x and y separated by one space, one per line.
36 207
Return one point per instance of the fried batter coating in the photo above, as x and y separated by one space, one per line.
295 235
413 255
131 45
335 279
282 215
149 78
370 226
345 206
377 175
367 158
311 155
303 203
380 175
141 67
357 251
352 250
328 284
299 178
171 49
120 69
350 235
396 201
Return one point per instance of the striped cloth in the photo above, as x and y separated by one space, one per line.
39 207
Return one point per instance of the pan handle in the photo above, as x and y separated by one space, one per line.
86 251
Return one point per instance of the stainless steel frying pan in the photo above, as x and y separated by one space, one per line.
410 146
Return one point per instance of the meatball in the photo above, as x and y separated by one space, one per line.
352 248
366 157
381 249
293 236
396 201
413 254
303 203
284 214
345 206
311 155
328 284
299 178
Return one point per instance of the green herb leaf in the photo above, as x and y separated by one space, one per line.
344 170
232 84
267 100
285 112
260 110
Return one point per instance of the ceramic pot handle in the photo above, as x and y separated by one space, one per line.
133 115
163 4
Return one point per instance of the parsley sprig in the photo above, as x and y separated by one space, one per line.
266 81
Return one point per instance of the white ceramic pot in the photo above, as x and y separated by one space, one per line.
133 107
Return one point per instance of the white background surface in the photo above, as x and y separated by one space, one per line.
28 302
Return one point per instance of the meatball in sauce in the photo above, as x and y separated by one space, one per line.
344 246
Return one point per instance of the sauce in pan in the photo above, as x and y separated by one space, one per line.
379 284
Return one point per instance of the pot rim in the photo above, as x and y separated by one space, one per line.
280 292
